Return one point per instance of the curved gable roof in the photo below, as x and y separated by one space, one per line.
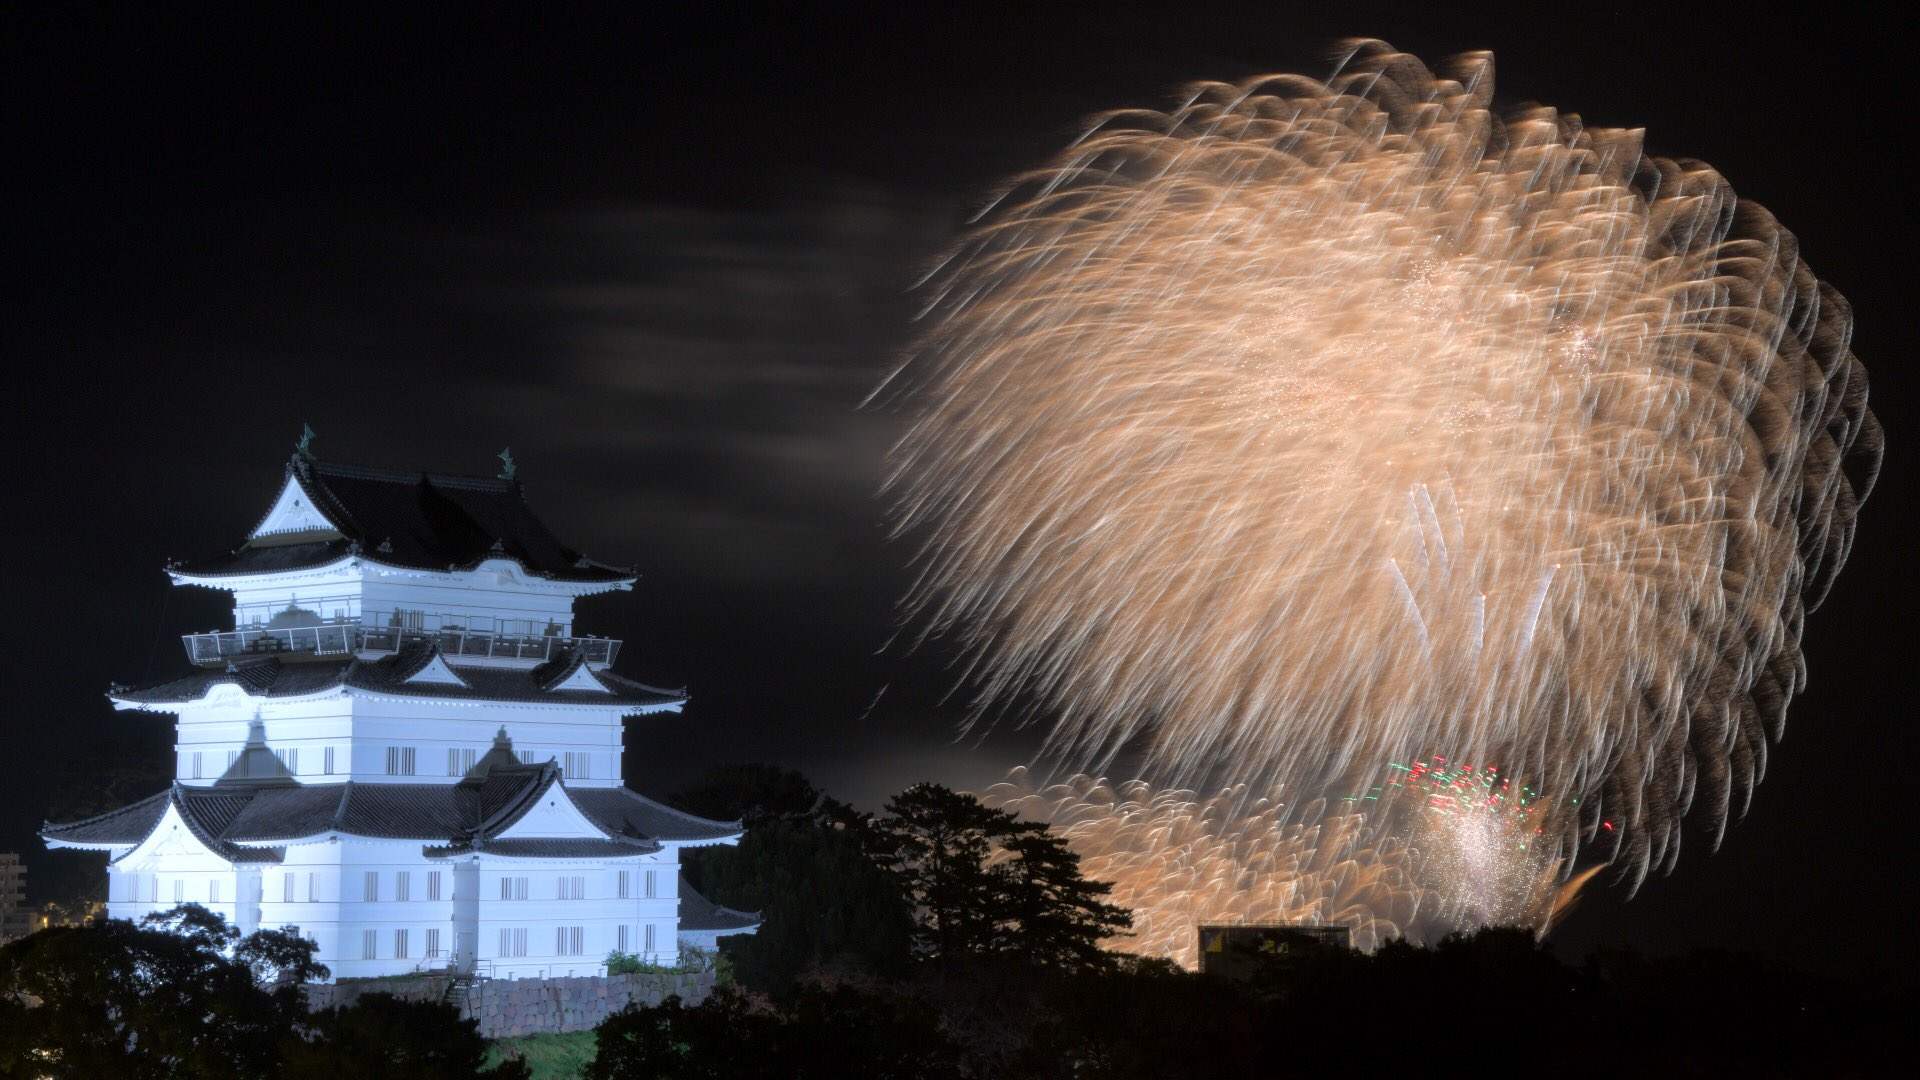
413 519
627 812
268 677
468 815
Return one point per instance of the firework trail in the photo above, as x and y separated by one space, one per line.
1307 427
1178 860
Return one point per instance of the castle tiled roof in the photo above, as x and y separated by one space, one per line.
207 818
271 677
419 520
699 913
565 847
462 816
628 813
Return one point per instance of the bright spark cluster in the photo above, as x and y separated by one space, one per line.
1178 860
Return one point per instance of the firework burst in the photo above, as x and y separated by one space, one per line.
1308 426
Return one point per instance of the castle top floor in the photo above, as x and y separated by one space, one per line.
352 559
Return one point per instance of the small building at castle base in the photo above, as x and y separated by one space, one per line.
405 748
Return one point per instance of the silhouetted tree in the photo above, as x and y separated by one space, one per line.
802 864
183 994
380 1036
748 793
982 882
1049 913
822 902
1138 1018
180 994
820 1033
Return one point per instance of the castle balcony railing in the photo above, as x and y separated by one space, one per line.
381 633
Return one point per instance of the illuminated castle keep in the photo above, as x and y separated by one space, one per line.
405 748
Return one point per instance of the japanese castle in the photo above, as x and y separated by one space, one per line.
405 749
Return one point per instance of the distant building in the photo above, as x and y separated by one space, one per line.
16 919
405 748
1237 951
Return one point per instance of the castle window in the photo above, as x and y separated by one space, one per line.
626 888
433 942
400 760
402 887
626 938
326 760
569 940
433 885
213 891
372 888
573 888
179 891
286 887
196 765
513 888
400 944
577 765
649 937
369 944
513 941
459 761
652 883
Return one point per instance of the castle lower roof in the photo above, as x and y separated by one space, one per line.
413 519
558 847
274 678
699 913
453 817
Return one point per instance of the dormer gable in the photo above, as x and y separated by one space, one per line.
172 834
552 815
293 519
435 672
580 678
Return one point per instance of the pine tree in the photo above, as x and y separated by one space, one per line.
982 882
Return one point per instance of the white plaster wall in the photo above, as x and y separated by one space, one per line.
495 594
599 913
354 912
360 727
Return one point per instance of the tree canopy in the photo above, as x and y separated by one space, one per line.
183 994
750 793
982 882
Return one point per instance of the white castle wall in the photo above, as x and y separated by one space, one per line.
321 890
359 728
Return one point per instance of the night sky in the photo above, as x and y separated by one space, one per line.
665 256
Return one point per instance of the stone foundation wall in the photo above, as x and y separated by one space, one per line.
510 1007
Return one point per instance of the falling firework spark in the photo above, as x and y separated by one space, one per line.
1178 860
1309 426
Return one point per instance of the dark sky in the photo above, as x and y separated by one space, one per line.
665 254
